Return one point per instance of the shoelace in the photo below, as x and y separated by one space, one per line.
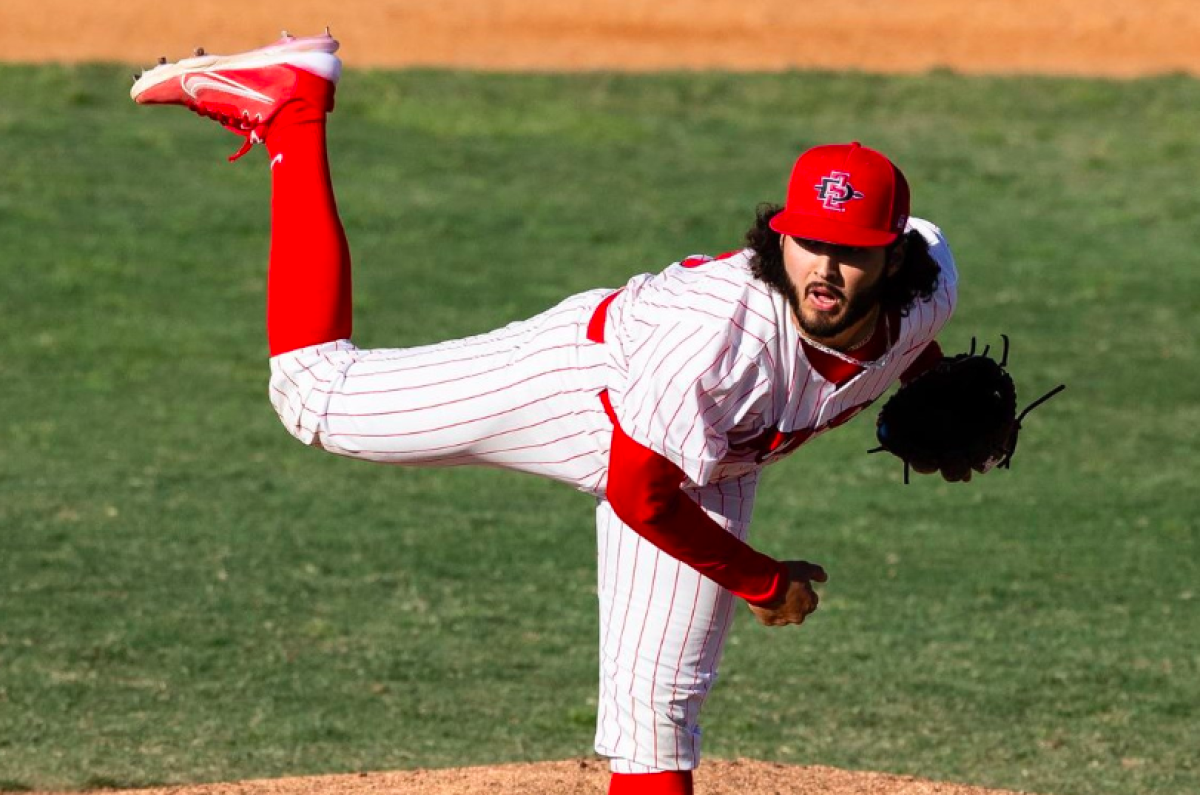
242 124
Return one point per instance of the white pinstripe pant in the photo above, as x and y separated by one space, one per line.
662 632
524 397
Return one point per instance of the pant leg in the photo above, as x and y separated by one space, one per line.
662 631
523 397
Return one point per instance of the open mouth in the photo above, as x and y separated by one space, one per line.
823 297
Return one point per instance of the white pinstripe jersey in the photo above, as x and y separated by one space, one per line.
707 367
701 361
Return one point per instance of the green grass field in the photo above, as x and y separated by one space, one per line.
187 594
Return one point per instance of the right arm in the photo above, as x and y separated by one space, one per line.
643 489
682 396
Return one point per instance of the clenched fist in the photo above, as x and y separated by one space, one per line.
798 601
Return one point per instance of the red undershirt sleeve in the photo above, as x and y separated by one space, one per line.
643 489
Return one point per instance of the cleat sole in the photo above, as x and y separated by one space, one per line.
307 53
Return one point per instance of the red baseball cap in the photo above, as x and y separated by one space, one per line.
845 194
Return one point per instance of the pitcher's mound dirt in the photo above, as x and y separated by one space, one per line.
585 777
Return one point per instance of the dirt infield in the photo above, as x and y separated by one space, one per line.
740 777
1104 37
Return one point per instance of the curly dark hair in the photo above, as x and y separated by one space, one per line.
916 279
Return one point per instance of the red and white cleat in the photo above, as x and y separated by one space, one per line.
244 92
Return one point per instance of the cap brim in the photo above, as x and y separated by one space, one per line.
811 227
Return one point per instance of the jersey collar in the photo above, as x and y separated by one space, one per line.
837 370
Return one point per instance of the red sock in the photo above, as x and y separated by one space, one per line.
308 282
673 782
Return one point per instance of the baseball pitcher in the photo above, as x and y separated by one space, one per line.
663 398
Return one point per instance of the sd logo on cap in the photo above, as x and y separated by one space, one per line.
845 194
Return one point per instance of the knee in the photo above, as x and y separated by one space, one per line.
289 406
299 398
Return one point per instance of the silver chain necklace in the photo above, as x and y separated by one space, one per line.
869 365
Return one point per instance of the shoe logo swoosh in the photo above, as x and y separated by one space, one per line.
195 83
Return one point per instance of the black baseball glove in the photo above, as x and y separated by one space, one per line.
957 418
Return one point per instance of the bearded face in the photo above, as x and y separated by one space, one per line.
835 290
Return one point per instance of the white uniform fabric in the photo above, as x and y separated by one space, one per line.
702 364
522 397
706 358
662 632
